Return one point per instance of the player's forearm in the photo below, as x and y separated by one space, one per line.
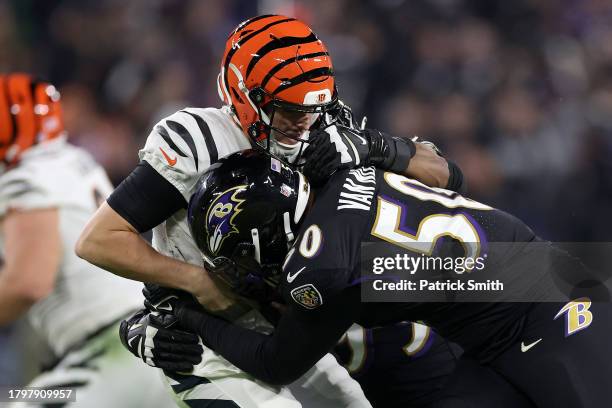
298 341
416 160
126 254
14 302
260 355
32 259
428 167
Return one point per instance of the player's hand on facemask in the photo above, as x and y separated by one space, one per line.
156 338
322 158
339 147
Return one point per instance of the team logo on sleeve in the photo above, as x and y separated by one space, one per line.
577 315
220 217
307 296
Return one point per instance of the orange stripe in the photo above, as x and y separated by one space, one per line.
6 122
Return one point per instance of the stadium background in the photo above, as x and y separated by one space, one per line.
518 93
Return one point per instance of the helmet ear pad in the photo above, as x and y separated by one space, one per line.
257 95
258 130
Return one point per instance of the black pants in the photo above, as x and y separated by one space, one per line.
563 362
475 386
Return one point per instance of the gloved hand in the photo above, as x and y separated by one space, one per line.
156 338
339 147
160 298
323 156
342 115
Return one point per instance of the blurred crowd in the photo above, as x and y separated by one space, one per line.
519 92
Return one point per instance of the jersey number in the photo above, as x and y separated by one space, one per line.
387 225
356 339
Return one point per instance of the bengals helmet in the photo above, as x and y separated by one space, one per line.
275 62
30 113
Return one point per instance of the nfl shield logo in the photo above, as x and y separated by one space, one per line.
307 296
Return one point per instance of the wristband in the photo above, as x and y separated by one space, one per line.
389 153
455 178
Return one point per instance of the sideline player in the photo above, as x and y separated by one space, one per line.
48 190
277 84
555 354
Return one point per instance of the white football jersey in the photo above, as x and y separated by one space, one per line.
181 147
85 298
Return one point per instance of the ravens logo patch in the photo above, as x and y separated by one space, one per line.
307 296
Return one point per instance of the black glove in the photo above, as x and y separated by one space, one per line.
159 298
156 339
339 147
342 115
321 157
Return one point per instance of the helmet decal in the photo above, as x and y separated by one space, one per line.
220 217
278 43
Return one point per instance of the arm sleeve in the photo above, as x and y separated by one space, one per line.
298 342
145 198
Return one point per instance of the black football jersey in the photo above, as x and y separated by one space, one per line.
324 279
367 205
402 365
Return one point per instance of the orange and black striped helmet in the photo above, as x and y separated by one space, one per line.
30 113
270 62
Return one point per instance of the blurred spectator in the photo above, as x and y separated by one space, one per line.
519 93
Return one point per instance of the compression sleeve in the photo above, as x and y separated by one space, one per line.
145 198
298 342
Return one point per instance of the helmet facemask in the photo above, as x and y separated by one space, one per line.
275 64
287 145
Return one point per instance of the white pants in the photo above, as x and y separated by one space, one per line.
327 384
104 374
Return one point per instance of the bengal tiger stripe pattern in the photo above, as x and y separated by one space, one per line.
277 60
30 113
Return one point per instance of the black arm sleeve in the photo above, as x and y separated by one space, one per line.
145 198
298 342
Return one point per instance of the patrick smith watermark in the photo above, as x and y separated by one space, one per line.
497 272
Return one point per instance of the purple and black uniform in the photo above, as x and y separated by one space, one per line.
402 365
322 284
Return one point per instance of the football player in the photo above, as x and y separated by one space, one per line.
277 86
555 362
48 190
